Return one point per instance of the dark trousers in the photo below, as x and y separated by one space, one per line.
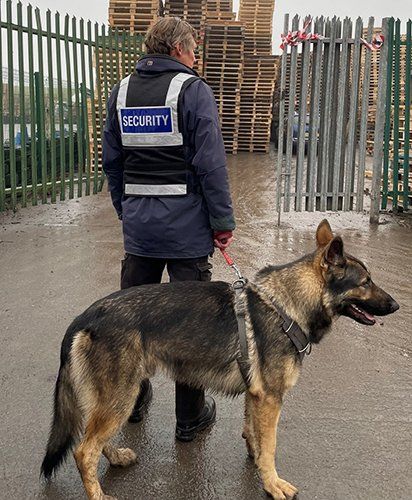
138 270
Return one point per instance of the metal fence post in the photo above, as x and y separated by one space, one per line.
10 62
281 122
364 120
407 118
2 165
41 110
380 126
388 119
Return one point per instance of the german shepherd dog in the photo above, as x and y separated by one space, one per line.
190 331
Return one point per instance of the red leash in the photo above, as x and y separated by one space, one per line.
230 262
227 258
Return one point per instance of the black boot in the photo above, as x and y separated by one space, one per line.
189 423
142 401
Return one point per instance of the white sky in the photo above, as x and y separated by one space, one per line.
97 10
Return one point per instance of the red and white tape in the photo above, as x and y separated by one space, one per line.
375 44
293 38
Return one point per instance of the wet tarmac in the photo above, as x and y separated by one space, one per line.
346 428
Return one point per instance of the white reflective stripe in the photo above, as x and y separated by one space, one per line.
151 140
172 98
159 139
122 95
155 189
121 102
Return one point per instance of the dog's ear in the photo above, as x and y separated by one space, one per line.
324 234
334 252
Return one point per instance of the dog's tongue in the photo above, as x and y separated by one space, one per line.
370 317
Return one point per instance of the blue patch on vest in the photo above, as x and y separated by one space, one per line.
146 120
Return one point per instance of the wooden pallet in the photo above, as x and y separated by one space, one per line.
256 99
135 16
192 11
257 17
220 10
224 46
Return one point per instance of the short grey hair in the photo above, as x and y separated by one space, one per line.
163 36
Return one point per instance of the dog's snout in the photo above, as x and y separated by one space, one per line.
394 306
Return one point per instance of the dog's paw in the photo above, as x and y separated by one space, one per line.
122 457
288 489
280 489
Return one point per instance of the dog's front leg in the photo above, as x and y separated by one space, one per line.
248 431
266 412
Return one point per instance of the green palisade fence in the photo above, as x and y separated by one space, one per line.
56 78
397 168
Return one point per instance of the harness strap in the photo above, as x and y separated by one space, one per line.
243 360
295 333
242 335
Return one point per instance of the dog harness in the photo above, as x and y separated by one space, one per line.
295 333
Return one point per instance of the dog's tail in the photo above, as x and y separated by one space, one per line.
67 422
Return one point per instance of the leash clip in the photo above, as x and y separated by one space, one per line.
239 274
231 264
239 284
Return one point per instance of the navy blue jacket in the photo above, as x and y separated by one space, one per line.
175 227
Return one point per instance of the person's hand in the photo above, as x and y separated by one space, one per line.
222 239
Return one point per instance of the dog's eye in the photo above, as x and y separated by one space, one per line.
366 283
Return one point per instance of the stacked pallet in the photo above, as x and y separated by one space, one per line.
256 98
133 15
373 90
219 10
224 44
260 68
257 17
192 11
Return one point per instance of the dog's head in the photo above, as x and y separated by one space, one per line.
349 287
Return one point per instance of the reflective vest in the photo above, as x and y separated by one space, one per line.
149 119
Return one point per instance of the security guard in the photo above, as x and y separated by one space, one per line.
164 158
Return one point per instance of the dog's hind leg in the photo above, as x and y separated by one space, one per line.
265 416
123 457
101 426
